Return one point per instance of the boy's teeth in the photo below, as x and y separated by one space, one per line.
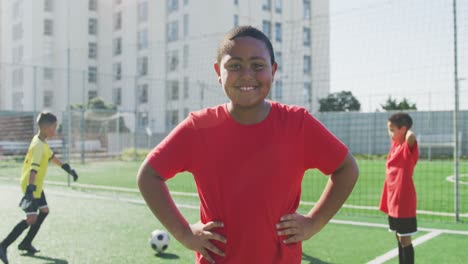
246 88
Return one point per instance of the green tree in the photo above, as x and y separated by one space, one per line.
343 101
392 104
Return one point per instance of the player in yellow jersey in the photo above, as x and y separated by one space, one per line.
32 179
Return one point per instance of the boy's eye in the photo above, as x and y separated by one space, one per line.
234 67
258 66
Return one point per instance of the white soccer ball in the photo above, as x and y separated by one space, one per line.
159 240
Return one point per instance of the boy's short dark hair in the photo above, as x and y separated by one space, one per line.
244 31
46 119
401 119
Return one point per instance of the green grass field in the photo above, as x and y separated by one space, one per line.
110 225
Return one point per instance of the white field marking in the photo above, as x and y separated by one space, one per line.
111 188
394 252
133 190
451 178
445 231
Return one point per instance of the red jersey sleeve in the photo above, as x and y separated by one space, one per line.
174 153
323 150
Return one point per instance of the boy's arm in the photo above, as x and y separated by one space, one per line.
410 138
337 190
56 161
157 196
66 167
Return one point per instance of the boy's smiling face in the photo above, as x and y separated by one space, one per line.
246 73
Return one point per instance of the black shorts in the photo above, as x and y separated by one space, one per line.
38 204
403 226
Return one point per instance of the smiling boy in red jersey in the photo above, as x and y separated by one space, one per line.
399 195
248 158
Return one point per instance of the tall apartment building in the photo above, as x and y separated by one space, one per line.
153 58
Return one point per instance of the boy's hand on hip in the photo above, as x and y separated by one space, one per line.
200 239
296 227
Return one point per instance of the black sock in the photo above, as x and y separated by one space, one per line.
34 229
15 233
409 254
401 257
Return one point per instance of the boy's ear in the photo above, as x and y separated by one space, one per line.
218 71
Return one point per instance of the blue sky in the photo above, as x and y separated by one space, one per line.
402 48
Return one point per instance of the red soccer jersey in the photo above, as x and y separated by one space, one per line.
399 195
248 176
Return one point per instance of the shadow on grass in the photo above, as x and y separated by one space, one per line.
312 260
164 255
48 260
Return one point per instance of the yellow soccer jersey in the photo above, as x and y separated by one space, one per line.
37 158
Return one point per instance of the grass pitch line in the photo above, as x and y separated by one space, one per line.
365 224
134 190
394 252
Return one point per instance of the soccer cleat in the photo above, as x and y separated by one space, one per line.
3 254
29 248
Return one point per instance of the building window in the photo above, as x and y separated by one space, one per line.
47 47
278 32
143 11
143 93
279 60
92 74
266 26
117 46
17 54
172 119
117 69
306 9
48 27
186 56
118 21
48 5
266 4
186 87
142 39
307 64
186 25
48 98
92 50
278 89
172 5
92 94
236 2
173 92
18 98
307 93
142 66
17 77
306 37
48 74
173 60
17 10
236 20
142 119
117 96
278 6
92 26
92 5
17 31
172 31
